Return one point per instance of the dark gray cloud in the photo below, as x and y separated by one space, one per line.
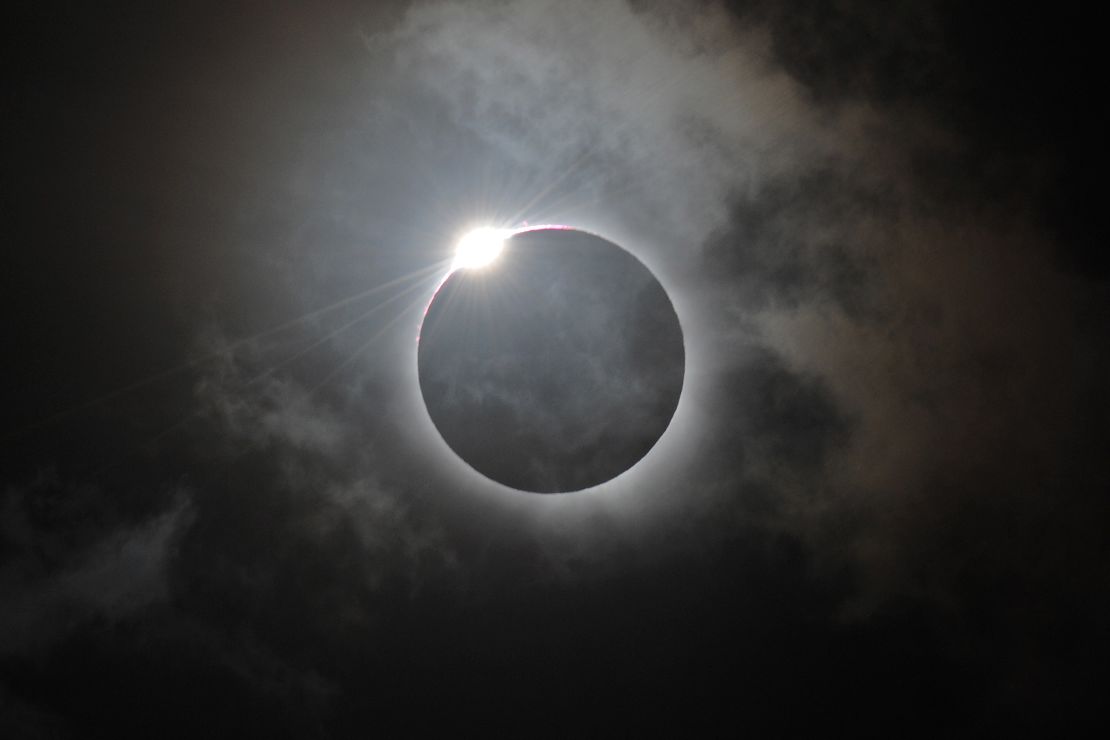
53 582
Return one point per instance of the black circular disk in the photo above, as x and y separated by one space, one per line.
556 367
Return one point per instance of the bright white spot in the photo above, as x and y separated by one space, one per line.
479 247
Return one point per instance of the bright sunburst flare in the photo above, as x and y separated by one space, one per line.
479 247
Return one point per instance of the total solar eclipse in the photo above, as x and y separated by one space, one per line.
550 359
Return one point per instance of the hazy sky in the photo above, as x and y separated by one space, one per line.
881 503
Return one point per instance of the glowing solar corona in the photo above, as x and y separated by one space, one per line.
479 247
517 364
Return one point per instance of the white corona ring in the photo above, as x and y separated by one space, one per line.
479 247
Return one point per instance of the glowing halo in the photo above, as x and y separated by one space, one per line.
519 369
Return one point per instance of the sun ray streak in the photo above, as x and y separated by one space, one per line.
362 348
335 332
198 361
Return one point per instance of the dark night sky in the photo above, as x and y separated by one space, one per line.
881 505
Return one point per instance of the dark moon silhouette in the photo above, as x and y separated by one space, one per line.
555 368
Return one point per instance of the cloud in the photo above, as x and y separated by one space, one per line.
613 104
263 409
910 351
333 490
893 389
50 590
